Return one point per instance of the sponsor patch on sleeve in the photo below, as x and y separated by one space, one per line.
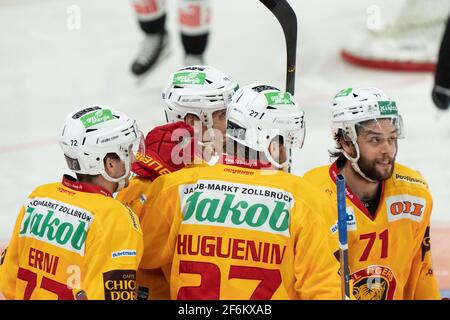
123 253
120 285
134 220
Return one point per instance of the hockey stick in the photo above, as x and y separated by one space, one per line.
81 295
343 243
288 21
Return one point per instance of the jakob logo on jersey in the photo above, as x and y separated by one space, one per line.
56 223
235 205
374 283
120 285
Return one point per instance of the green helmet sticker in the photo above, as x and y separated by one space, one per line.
344 92
387 107
274 98
189 78
96 117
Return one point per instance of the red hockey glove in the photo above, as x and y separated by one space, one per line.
168 148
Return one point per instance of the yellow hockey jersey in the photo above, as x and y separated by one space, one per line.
72 238
389 254
138 191
152 284
135 195
236 233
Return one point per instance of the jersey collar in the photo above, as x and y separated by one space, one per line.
334 171
72 183
233 160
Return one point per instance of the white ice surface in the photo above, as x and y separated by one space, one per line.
47 70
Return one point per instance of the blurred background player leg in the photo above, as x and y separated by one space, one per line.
151 15
409 43
194 20
441 90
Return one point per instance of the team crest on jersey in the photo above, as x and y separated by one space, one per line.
219 203
405 206
374 283
351 221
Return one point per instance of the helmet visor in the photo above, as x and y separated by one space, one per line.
389 126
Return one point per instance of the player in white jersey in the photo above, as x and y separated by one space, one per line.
193 20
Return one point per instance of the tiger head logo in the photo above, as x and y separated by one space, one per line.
373 288
374 283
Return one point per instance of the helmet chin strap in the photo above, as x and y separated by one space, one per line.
209 145
273 162
121 181
354 163
121 184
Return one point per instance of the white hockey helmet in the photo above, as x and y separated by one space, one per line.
353 106
258 113
198 90
89 134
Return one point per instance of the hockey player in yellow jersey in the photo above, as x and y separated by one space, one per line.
388 204
195 101
243 229
72 240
